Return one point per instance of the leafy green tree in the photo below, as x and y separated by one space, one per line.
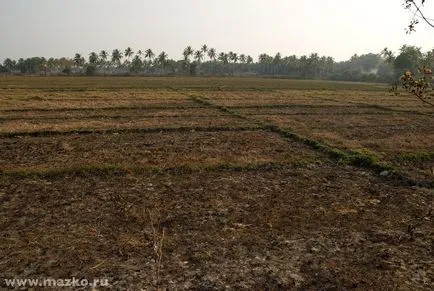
3 69
9 64
32 65
409 58
51 64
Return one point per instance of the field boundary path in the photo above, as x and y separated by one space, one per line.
347 157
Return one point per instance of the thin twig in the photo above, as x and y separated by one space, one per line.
423 100
421 14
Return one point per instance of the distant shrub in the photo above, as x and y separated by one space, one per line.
90 70
67 70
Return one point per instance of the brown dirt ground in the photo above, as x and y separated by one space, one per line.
387 136
165 150
239 208
325 227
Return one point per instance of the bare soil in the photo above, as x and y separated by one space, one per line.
325 227
224 177
165 150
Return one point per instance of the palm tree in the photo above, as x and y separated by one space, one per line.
116 57
234 57
265 60
223 57
162 59
128 53
277 58
188 51
136 64
292 63
103 55
303 66
78 61
313 62
212 54
51 63
198 55
330 64
243 58
149 54
249 60
204 50
103 59
93 58
139 53
230 55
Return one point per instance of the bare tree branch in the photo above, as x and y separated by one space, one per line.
421 13
418 13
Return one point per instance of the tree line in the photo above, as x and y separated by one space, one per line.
381 67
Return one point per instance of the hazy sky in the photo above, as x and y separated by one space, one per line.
338 28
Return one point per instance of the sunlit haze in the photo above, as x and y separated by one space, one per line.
337 28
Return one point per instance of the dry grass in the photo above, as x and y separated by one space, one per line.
89 103
246 98
41 94
381 99
256 197
163 150
223 84
169 112
129 122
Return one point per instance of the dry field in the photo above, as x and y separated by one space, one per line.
209 184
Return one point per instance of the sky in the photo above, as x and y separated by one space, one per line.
337 28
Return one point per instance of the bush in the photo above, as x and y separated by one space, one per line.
67 70
91 70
